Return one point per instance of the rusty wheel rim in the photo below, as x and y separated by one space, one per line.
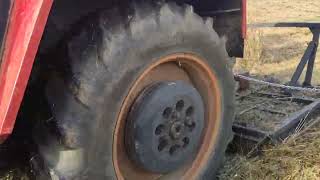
188 68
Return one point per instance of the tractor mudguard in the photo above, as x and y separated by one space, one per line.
25 25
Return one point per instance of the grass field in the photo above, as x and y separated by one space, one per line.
276 52
296 159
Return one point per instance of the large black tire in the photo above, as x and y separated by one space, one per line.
106 57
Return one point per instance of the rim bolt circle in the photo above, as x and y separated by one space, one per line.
158 135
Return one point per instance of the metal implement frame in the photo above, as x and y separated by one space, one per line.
309 55
283 131
293 123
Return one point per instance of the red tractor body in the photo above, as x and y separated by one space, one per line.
99 54
25 23
22 26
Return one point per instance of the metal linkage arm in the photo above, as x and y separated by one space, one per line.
309 54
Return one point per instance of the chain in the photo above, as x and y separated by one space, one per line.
278 85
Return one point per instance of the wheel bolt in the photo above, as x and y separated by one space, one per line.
163 142
176 130
173 150
175 115
185 142
189 121
189 111
166 113
179 105
159 129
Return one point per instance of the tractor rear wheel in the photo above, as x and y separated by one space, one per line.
148 95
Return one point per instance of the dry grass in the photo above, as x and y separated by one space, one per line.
253 51
283 10
13 174
297 159
281 48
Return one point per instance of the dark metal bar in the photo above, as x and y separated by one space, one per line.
272 111
315 40
248 133
291 122
218 12
310 53
286 24
301 65
286 128
303 100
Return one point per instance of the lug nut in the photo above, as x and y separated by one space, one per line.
189 111
166 113
163 142
173 150
176 130
185 142
189 121
179 105
175 115
159 129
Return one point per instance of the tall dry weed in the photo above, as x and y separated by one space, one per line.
253 50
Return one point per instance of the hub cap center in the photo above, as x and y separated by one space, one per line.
164 126
176 130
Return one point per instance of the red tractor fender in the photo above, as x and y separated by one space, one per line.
26 24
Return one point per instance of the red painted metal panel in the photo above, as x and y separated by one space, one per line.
27 22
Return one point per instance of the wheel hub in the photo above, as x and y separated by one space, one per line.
164 126
177 130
